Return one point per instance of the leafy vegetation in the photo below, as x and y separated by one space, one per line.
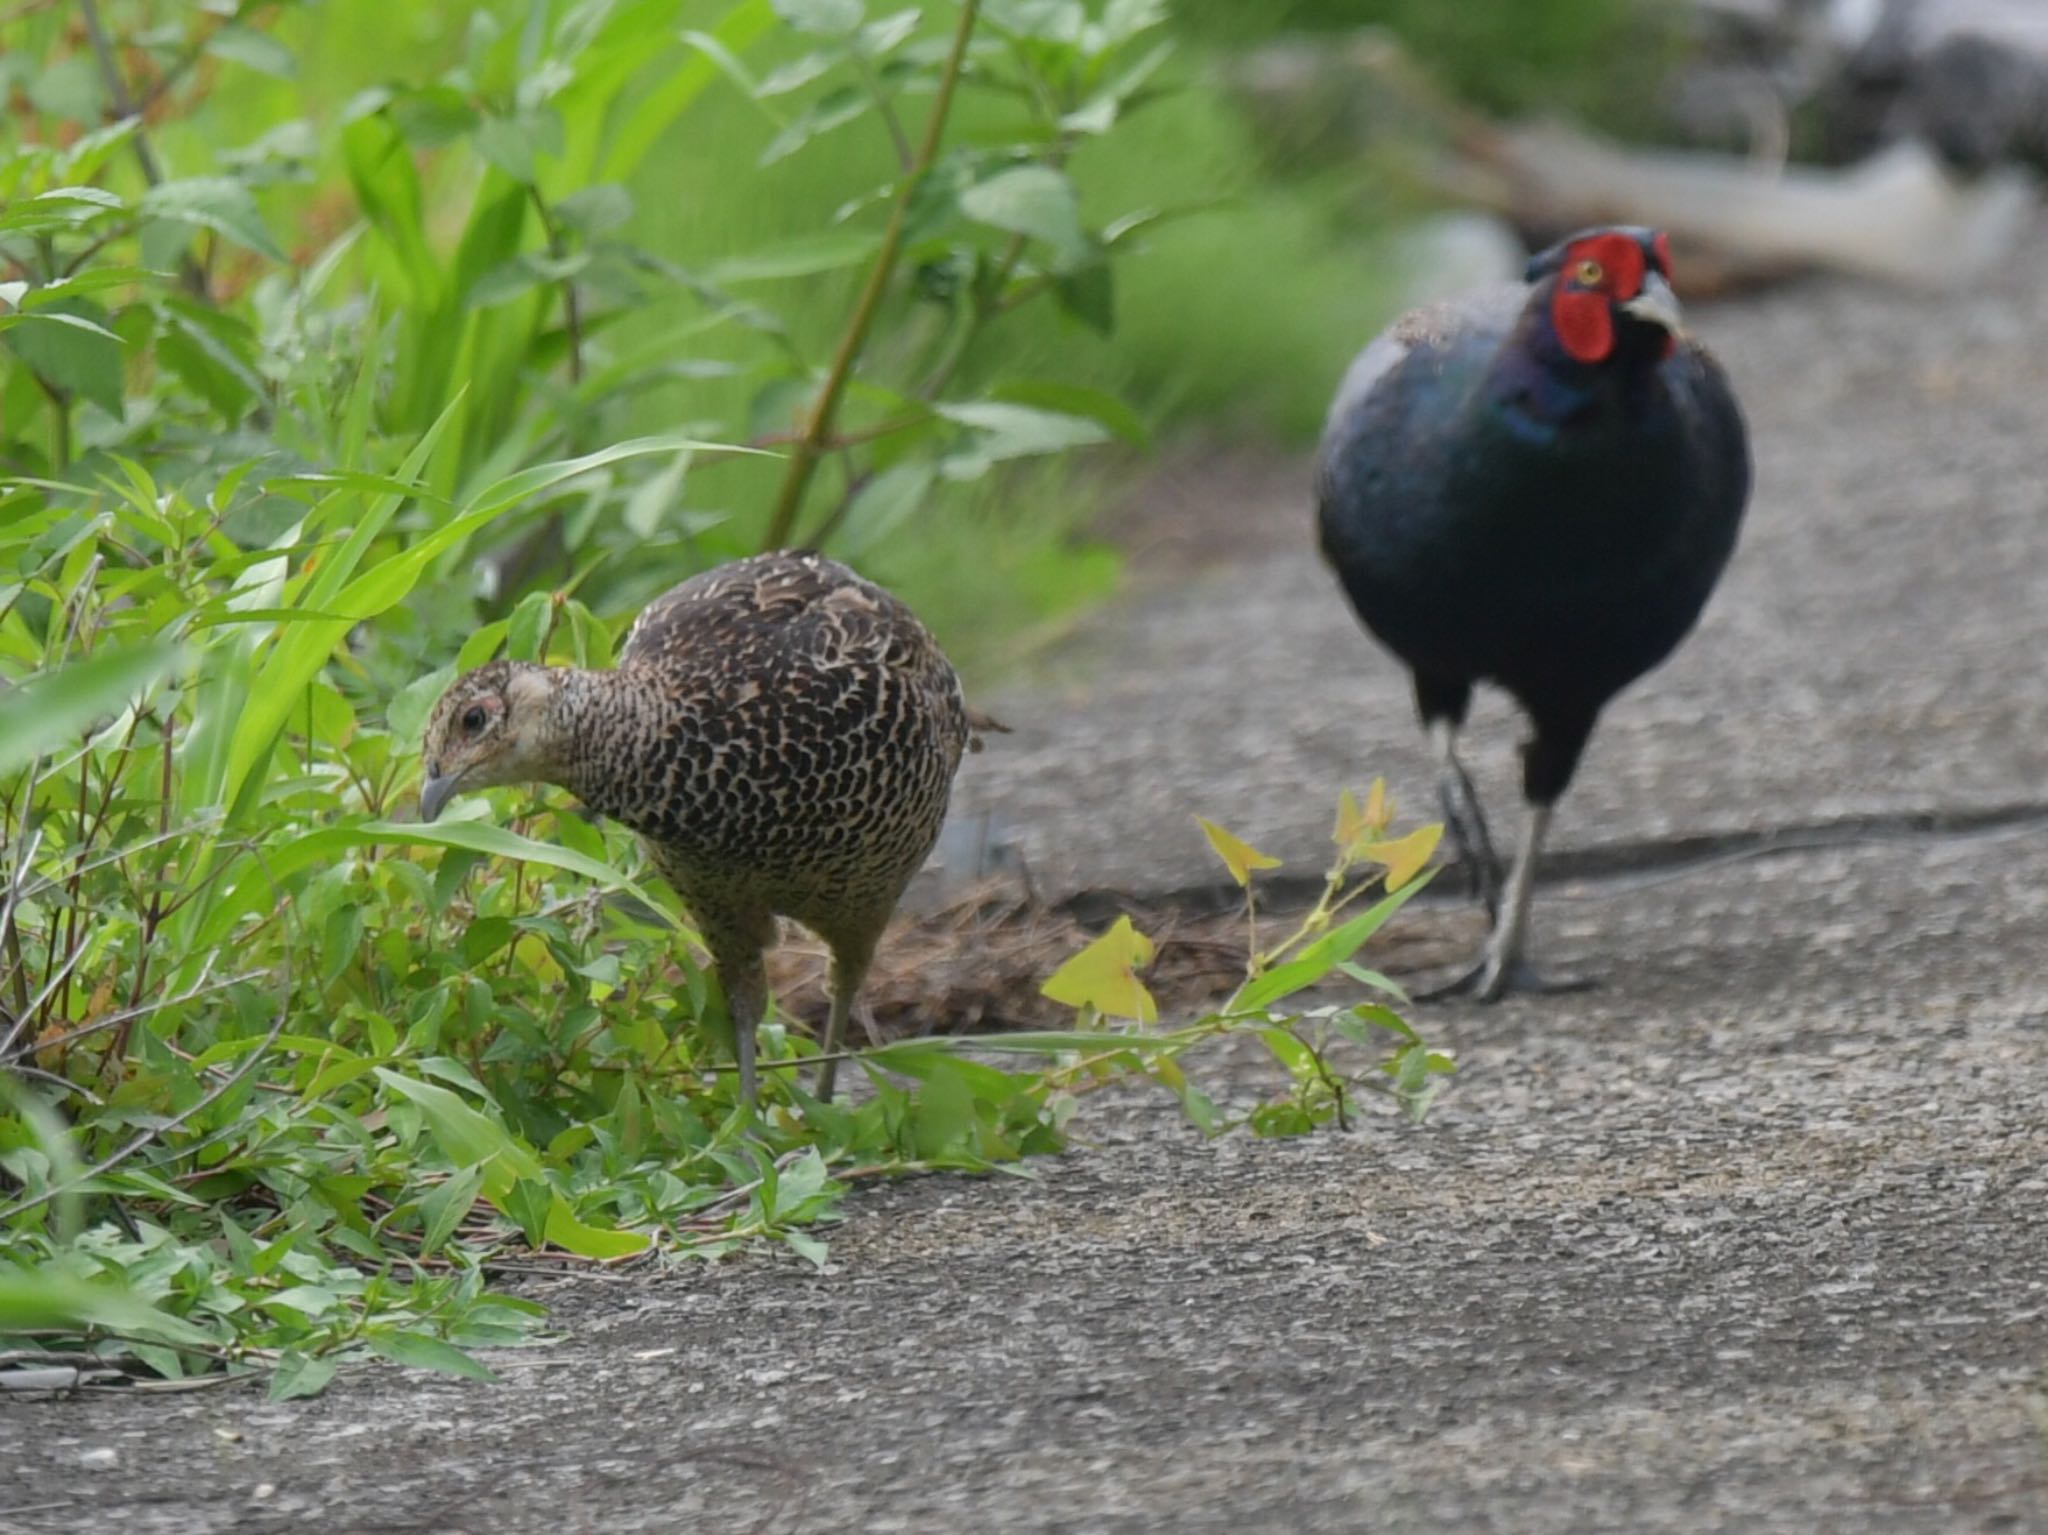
284 1074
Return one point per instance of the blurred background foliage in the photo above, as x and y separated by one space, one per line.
1286 272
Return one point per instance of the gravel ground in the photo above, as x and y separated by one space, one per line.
1753 1238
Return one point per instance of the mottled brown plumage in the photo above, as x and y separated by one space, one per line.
781 733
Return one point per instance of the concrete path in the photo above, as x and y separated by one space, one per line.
1752 1239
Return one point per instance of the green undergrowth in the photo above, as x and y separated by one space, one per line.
326 376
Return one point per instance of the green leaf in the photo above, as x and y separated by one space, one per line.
444 1209
1106 410
1013 431
831 18
56 208
255 50
1089 295
46 1300
51 707
1033 200
806 257
809 1248
884 503
70 345
596 210
420 1351
219 203
514 144
1050 21
469 1138
835 109
406 715
299 1375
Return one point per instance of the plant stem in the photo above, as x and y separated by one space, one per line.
887 108
572 309
124 106
812 441
117 89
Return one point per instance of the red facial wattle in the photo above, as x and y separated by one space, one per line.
1582 314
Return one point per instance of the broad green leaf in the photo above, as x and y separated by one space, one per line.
1344 940
1238 856
56 208
421 1351
515 144
1013 431
219 203
70 345
44 1299
644 125
445 1208
1075 400
1033 200
299 1375
832 18
470 1138
1104 976
255 50
52 707
884 503
1051 21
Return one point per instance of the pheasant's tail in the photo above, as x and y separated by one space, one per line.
977 723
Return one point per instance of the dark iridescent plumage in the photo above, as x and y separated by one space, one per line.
1499 510
781 733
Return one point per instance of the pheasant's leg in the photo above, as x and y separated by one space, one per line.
736 953
849 968
1547 766
1466 820
1442 703
1501 968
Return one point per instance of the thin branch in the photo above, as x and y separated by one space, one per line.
117 90
124 105
813 441
157 1132
572 310
873 85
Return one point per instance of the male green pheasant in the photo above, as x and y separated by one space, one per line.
781 733
1536 487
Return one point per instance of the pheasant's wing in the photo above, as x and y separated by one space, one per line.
763 615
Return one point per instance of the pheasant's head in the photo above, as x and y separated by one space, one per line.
1612 293
492 726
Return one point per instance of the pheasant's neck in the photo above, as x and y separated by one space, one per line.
590 716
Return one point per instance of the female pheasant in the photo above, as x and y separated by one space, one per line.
1536 487
781 733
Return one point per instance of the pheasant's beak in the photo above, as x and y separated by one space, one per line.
1657 304
435 793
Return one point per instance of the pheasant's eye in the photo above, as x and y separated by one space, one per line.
473 719
1589 274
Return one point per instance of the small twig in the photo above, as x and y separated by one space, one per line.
124 106
873 85
572 311
117 89
157 1132
60 429
811 443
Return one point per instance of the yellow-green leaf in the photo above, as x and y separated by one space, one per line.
1239 856
1104 976
1404 857
1355 825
